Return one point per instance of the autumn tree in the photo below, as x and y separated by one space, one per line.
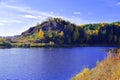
2 39
117 24
51 43
50 35
61 33
41 34
103 24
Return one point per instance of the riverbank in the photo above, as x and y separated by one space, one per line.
108 69
51 44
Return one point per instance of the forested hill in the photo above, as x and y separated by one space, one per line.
61 32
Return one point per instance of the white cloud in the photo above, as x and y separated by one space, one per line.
24 17
30 16
76 13
20 9
29 13
2 24
111 3
33 17
8 1
12 0
51 12
118 3
39 15
28 10
78 20
10 21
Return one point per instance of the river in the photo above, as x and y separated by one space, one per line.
47 63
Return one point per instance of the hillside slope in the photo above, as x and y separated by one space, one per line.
57 31
62 32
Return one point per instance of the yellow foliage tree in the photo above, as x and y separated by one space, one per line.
51 43
117 24
103 24
2 39
41 34
91 32
96 32
61 33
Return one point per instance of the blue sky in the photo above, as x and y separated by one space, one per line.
17 16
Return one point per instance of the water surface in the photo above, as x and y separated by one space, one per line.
47 63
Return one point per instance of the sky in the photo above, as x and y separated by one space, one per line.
16 16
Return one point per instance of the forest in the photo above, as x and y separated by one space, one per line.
59 32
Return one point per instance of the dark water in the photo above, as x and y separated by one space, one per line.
47 63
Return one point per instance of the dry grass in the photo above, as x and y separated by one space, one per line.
108 69
85 72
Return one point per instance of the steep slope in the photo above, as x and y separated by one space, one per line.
53 24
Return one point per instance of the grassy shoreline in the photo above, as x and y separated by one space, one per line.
32 45
108 69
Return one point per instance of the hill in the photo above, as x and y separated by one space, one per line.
53 29
58 32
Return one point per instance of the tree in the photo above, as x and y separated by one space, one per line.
103 24
76 34
37 24
61 33
41 34
50 35
51 43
